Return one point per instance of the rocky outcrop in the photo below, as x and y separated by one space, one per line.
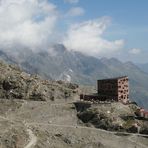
144 128
97 119
15 84
112 117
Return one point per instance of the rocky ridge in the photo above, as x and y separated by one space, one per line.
15 84
113 116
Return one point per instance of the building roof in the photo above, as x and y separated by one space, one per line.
144 111
116 78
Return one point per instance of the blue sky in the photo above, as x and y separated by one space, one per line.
100 28
129 21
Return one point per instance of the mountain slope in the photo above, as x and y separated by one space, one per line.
143 67
82 69
15 84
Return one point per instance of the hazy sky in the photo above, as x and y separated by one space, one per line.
101 28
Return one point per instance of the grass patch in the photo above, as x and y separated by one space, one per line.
127 124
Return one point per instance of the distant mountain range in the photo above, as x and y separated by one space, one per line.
76 67
143 66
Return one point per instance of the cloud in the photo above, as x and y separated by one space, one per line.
135 51
27 23
87 37
71 1
76 11
32 24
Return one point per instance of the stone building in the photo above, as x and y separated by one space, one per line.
142 113
116 89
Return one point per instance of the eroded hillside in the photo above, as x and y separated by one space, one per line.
43 114
15 84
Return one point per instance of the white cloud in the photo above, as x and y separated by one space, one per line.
27 23
135 51
86 37
31 24
71 1
76 11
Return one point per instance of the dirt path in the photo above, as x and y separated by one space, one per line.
136 142
33 139
90 128
4 118
83 127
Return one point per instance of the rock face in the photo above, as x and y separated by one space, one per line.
144 128
112 117
96 116
15 84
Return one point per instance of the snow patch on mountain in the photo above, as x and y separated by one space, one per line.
66 75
